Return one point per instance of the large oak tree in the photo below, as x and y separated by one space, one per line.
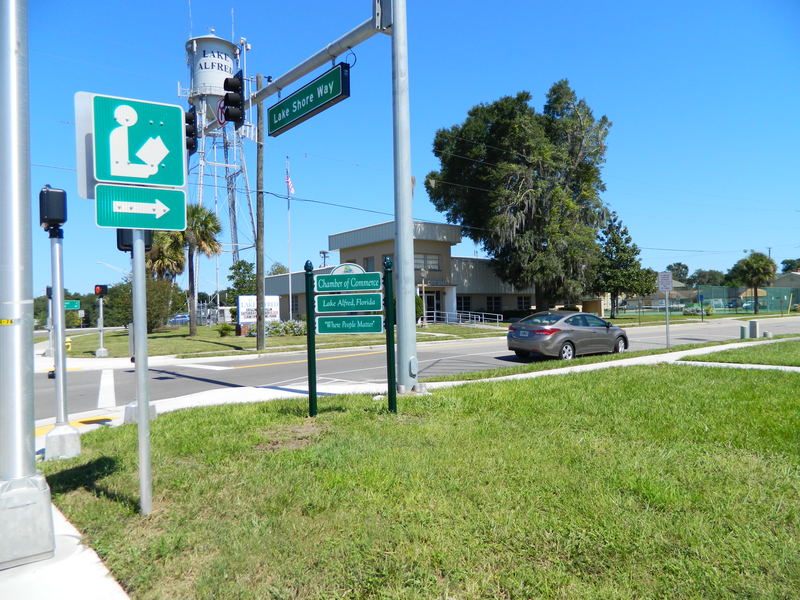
527 185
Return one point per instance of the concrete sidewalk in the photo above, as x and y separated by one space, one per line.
77 572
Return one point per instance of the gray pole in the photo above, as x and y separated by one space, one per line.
26 521
260 221
63 441
142 389
404 234
101 352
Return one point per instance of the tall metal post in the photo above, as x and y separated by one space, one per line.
142 387
388 305
26 520
407 365
311 350
260 317
101 352
63 441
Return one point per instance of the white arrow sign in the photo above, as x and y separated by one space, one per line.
159 209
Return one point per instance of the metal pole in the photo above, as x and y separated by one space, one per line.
407 365
289 234
666 301
49 324
311 351
101 352
388 304
142 388
260 343
26 522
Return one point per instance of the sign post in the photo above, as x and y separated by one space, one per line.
311 351
665 285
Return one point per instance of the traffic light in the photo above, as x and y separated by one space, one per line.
100 290
125 240
191 130
233 101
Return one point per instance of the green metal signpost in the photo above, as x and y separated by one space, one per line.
328 89
352 280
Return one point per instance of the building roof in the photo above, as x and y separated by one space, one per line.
384 232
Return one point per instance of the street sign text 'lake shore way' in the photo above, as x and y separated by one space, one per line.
328 89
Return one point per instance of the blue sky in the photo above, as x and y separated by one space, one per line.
702 158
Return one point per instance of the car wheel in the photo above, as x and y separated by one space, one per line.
619 345
522 354
567 351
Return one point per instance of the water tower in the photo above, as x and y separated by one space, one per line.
220 152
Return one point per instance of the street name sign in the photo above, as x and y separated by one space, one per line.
138 142
129 207
328 89
332 303
72 304
350 282
350 324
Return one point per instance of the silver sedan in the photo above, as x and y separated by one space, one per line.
564 334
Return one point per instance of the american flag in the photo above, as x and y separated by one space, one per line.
289 185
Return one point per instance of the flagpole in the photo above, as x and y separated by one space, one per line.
289 232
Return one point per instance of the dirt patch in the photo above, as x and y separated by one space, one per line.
290 437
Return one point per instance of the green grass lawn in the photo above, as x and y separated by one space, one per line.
645 482
208 341
783 354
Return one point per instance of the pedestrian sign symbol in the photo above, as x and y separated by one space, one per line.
138 142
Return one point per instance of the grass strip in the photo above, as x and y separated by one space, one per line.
647 482
786 354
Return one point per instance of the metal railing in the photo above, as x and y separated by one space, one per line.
461 317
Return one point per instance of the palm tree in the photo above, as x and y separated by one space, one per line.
165 259
756 270
202 228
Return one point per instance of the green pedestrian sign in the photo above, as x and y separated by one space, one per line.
72 304
332 303
328 89
128 207
138 142
354 324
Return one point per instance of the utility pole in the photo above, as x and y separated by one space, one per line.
260 342
26 518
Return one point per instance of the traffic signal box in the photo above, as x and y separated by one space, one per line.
191 131
233 101
100 290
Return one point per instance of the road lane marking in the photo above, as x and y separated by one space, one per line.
294 362
106 397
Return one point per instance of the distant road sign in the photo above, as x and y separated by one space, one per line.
331 303
665 281
350 324
328 89
72 304
128 207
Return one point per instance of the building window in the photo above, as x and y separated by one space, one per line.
493 304
427 261
523 302
369 263
463 303
295 306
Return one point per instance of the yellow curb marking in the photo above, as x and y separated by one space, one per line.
90 421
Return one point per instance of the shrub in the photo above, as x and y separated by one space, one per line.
694 311
709 310
418 306
225 329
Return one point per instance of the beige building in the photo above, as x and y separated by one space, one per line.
448 284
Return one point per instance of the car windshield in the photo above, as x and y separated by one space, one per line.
542 319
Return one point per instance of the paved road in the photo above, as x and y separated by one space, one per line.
91 389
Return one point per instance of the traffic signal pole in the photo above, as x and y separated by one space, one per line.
101 352
26 519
